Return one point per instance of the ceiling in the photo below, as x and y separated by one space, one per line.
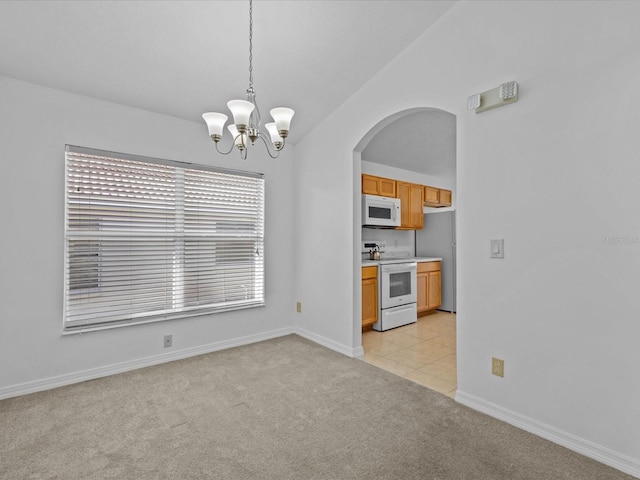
183 58
422 142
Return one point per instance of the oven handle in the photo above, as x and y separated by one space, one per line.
399 267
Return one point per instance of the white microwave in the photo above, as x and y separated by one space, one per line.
380 211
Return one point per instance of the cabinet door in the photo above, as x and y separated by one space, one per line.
370 185
387 187
403 191
434 290
431 196
369 301
445 198
417 216
429 286
423 286
411 202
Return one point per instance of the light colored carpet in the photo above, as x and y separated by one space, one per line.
281 409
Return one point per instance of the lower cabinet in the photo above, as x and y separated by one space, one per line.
369 296
429 286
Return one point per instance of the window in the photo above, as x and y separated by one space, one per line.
150 239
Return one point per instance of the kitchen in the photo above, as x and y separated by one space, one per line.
408 249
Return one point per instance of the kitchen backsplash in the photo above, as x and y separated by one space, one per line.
398 241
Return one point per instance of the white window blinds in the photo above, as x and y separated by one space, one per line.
150 239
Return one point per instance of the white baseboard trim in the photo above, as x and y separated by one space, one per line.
325 342
93 373
585 447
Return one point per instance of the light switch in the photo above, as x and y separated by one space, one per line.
497 248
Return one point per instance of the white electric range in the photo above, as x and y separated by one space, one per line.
397 286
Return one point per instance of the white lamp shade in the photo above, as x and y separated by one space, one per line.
215 122
273 132
282 117
237 138
241 110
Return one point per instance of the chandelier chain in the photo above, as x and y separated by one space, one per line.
251 44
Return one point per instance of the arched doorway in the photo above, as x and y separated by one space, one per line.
417 145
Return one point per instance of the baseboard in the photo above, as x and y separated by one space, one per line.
587 448
325 342
81 376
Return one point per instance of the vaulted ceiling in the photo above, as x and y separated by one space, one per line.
422 142
182 58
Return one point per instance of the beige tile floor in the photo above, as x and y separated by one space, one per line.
424 352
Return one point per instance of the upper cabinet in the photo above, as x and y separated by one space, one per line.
431 195
413 198
445 198
437 197
372 185
411 202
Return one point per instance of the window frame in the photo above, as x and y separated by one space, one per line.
256 263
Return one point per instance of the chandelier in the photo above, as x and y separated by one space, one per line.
246 117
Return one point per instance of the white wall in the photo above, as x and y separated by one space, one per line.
35 124
555 175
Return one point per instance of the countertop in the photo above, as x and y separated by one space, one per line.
375 263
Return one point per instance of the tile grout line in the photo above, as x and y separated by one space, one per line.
429 379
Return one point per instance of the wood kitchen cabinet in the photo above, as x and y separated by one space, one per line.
388 187
445 198
437 197
429 286
411 205
372 185
369 296
431 196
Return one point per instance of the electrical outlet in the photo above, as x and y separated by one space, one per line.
299 307
168 340
497 367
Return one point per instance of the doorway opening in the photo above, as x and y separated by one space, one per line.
415 147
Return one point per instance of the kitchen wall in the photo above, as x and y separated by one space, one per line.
397 241
554 174
36 123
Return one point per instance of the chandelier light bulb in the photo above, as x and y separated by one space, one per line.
215 123
282 117
276 139
238 138
241 111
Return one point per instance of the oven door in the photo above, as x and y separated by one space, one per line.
398 284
